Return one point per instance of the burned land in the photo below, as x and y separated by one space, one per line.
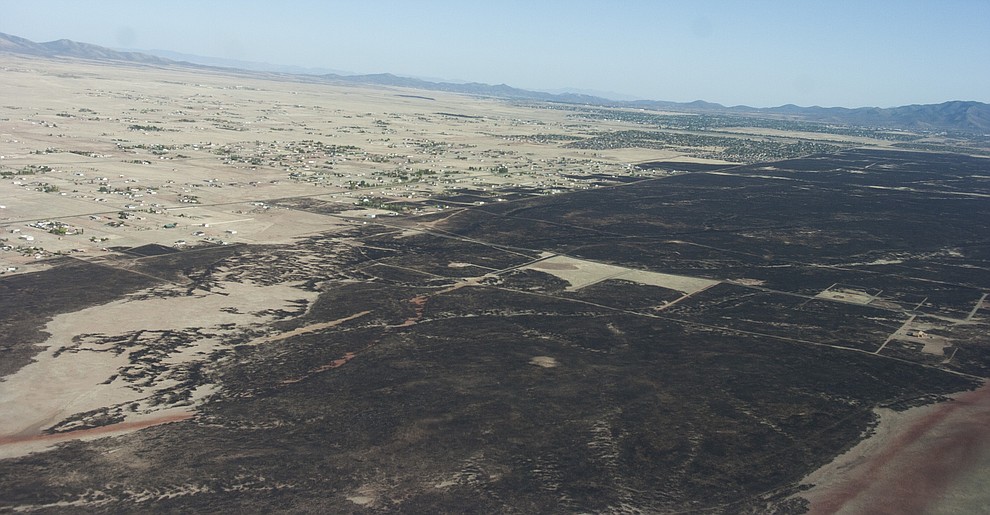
229 291
699 341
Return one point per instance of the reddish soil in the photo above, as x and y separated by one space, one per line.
122 427
419 303
323 368
921 462
335 363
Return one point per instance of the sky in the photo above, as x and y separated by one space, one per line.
759 53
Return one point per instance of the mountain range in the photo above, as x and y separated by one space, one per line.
956 115
68 48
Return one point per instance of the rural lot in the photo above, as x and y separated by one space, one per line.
254 292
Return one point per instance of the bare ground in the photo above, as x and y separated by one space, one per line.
925 460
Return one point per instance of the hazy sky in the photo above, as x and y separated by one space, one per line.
760 53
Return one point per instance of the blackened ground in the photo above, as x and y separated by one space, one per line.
453 379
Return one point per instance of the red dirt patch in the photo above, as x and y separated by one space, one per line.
323 368
419 304
122 427
923 460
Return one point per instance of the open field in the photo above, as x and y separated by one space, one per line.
580 274
241 292
145 155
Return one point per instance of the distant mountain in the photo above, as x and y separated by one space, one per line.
468 88
67 48
611 95
955 115
238 64
965 116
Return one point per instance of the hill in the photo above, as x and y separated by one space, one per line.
68 48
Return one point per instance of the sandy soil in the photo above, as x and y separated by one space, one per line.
581 273
312 328
59 384
930 459
13 446
544 361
